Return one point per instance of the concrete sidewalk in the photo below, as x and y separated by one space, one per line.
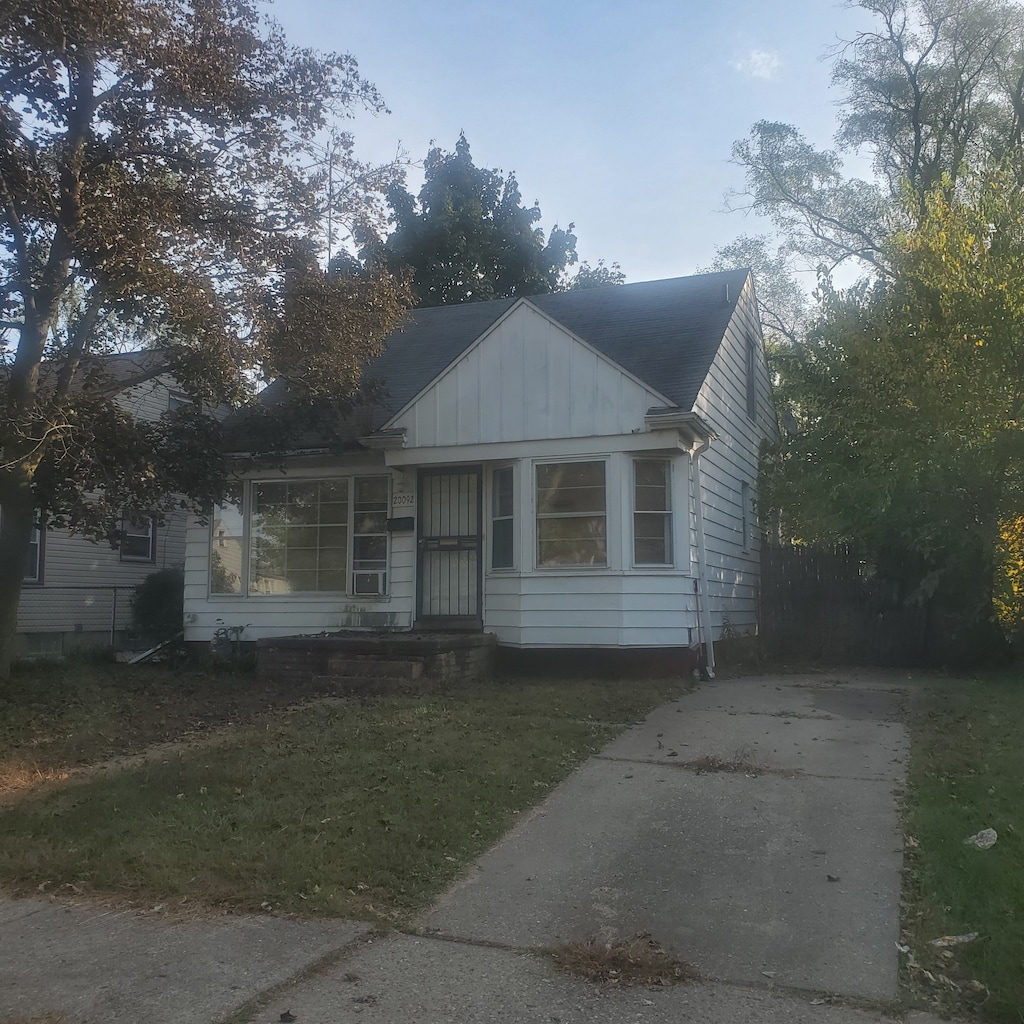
751 827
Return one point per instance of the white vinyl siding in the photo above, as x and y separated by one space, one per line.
730 463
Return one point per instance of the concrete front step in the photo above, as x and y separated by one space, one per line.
366 665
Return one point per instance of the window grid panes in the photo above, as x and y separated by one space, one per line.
299 537
502 519
137 538
652 512
572 526
227 542
370 535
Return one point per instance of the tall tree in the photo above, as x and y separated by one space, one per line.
154 185
932 88
467 236
910 397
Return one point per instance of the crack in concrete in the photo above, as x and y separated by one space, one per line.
246 1012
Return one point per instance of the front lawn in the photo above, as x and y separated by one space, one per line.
967 774
358 808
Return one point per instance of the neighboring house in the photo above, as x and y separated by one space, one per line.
77 593
565 471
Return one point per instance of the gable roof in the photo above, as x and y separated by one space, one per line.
665 333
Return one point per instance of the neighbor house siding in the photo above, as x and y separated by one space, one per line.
86 588
733 568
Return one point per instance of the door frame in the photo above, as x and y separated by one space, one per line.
473 623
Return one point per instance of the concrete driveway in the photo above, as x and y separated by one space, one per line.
751 827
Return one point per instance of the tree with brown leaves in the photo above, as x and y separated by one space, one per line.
162 186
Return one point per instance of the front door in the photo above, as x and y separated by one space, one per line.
449 564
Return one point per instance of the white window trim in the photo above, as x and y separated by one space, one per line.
490 519
150 557
670 513
610 529
245 593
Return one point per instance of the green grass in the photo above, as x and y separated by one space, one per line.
57 716
967 774
361 808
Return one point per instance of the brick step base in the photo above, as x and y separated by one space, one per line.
368 665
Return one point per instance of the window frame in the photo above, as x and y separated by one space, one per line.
539 517
495 518
136 519
667 514
249 510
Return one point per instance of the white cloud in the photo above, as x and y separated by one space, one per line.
759 64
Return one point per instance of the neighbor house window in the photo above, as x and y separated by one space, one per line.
502 519
34 562
572 525
370 535
652 512
299 535
138 538
177 400
34 557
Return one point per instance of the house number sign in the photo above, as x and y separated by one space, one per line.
403 500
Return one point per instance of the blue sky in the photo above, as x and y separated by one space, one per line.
619 117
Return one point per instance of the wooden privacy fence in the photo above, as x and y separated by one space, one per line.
828 605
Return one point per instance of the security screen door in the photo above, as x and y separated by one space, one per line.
449 561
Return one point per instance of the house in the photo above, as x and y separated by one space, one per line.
77 593
572 470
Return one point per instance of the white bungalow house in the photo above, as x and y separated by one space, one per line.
77 593
573 470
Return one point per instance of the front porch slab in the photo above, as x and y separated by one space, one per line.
364 662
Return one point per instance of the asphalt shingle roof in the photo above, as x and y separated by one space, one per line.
666 333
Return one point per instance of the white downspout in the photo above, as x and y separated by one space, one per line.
702 562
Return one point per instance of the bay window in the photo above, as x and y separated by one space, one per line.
652 512
572 520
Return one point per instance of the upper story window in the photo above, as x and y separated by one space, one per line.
502 519
572 518
138 538
652 512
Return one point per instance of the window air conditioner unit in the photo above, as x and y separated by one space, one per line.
368 584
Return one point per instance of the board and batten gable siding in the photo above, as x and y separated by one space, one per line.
527 378
733 568
266 615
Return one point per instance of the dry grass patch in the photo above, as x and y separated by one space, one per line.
629 963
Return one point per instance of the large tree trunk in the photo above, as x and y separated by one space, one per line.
16 523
